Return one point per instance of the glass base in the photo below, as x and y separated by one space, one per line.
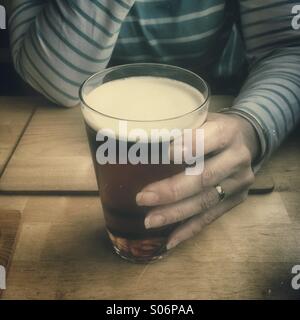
139 251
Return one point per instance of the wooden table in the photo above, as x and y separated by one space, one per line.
63 251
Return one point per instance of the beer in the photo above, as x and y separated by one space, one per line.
146 103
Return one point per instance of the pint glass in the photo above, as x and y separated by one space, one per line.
128 99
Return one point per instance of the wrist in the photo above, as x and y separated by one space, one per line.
263 147
250 136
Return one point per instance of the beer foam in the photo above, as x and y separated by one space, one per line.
146 102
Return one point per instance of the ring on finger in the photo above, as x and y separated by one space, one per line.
220 192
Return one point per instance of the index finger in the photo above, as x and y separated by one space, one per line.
215 139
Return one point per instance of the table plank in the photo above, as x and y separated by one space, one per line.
15 114
53 154
248 253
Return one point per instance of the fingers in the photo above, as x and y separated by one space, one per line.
181 186
217 135
197 223
179 211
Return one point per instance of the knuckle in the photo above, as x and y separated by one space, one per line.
206 177
243 196
207 200
245 156
220 127
249 178
223 138
235 125
195 228
206 219
174 190
178 214
195 231
223 141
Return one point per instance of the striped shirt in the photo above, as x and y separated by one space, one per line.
57 44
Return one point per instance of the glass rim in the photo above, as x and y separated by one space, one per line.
108 70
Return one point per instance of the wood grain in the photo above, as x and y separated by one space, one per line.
14 116
9 225
53 154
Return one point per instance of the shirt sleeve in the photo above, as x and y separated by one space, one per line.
270 97
57 44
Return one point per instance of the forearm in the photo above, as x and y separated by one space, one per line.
55 46
271 97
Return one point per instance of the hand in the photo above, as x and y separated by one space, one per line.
194 200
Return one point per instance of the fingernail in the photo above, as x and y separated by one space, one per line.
172 244
154 222
146 198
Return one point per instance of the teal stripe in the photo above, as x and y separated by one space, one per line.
167 35
285 121
286 54
263 121
270 64
90 20
283 71
163 49
297 84
107 11
46 79
60 57
267 33
37 86
281 86
30 6
273 5
13 30
51 67
123 4
132 29
281 96
266 128
82 35
266 109
289 42
18 65
274 74
171 9
68 44
255 23
20 5
149 58
20 37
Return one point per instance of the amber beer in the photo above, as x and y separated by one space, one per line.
146 97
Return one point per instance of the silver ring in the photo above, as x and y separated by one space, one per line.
221 192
